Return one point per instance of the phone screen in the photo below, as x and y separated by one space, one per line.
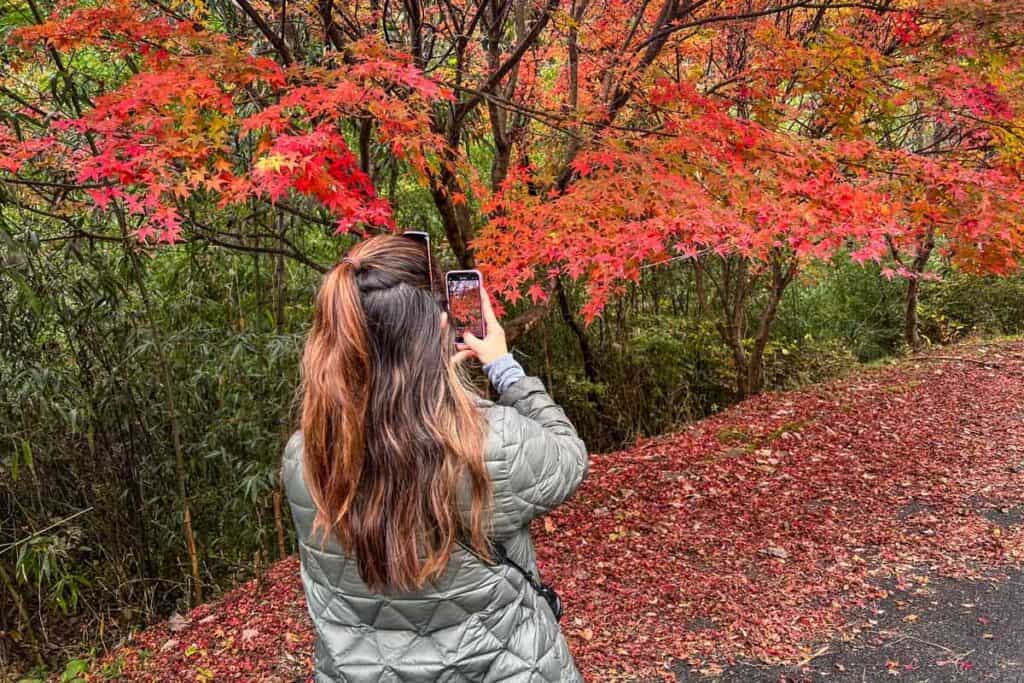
465 303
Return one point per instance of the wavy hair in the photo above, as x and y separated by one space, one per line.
391 429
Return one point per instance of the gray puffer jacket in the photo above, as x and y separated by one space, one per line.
476 622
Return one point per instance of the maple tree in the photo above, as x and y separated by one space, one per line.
801 135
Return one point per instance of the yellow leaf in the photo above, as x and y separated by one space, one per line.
272 163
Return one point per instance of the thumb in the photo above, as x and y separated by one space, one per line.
471 340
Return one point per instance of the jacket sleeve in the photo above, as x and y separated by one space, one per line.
545 460
303 508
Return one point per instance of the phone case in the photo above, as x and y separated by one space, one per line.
447 294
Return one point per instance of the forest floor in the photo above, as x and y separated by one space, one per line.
865 529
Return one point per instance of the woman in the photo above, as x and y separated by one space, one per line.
402 477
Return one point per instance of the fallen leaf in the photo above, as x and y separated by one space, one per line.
176 623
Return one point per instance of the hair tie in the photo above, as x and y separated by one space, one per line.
351 261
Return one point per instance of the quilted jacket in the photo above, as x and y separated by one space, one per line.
476 622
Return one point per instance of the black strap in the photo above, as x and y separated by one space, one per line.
545 591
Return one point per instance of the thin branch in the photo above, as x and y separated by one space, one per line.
745 16
59 186
513 59
275 40
15 544
295 255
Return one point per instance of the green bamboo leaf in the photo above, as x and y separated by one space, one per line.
26 451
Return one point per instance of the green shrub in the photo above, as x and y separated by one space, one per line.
846 301
961 304
790 364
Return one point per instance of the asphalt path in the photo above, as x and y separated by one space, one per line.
946 630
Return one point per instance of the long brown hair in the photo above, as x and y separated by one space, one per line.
391 430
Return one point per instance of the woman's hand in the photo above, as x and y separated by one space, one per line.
493 346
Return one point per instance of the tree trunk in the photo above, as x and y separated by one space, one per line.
547 361
741 363
701 290
918 266
589 362
733 293
782 275
365 135
455 216
282 546
910 333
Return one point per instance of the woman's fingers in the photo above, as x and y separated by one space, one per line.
464 345
489 316
463 355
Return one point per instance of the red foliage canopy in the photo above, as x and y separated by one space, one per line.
729 126
202 119
863 131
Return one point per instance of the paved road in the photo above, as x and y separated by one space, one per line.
945 631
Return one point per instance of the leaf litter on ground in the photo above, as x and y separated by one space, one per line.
753 534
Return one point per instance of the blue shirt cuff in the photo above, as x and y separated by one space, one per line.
504 372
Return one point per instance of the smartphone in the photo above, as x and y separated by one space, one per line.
465 303
424 239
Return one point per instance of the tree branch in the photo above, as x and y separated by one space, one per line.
744 16
517 54
271 35
295 255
